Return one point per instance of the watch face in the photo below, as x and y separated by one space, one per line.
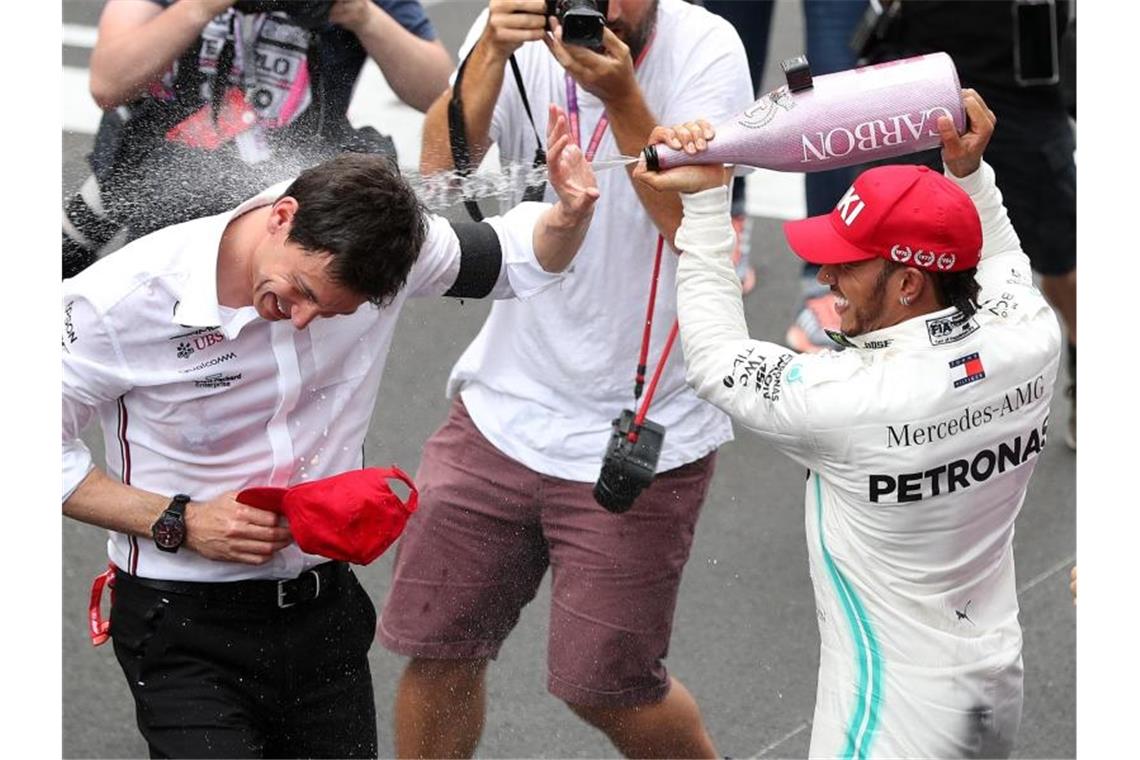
169 532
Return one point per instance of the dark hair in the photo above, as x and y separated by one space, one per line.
958 289
357 209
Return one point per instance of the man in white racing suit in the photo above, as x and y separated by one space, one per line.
919 439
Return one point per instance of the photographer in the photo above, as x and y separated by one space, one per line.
207 101
535 395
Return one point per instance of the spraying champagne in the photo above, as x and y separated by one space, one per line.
850 117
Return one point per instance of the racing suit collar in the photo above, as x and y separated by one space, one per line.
935 328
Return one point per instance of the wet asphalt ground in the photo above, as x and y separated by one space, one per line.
745 639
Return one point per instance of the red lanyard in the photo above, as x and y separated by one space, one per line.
591 150
98 628
639 380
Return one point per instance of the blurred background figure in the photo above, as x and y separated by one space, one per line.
828 27
1021 56
206 102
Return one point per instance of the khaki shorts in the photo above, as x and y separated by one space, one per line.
477 548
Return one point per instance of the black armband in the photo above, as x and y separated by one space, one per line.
480 260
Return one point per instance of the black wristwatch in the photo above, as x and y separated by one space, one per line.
169 530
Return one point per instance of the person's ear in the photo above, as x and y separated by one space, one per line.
281 215
912 284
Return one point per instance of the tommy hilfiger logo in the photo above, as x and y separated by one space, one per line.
967 369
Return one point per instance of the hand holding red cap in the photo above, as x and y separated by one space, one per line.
352 517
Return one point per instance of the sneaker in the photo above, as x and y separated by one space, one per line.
742 225
807 334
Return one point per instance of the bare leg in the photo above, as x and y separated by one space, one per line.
440 708
670 728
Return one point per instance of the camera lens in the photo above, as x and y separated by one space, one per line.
612 493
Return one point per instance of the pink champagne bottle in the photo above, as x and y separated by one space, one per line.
841 119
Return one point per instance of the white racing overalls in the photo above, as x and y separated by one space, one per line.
919 440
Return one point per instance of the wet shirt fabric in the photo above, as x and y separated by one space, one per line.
198 398
920 440
543 381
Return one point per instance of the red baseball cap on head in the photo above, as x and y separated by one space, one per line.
352 517
907 214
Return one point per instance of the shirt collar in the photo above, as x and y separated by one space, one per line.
198 305
936 328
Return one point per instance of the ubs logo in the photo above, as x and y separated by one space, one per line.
197 340
202 342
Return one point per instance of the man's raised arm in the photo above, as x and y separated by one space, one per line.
510 23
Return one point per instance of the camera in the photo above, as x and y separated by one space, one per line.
628 466
310 14
582 20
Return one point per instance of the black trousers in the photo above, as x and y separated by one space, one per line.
240 677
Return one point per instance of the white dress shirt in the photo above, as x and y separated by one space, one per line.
198 398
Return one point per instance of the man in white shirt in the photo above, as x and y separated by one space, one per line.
536 393
919 439
209 354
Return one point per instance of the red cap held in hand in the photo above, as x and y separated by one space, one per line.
907 214
351 517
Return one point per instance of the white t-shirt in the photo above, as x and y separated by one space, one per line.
543 381
199 398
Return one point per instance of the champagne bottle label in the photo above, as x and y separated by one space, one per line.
764 110
850 117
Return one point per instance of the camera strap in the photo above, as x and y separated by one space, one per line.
572 113
461 151
639 378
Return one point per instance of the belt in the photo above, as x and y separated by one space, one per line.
322 580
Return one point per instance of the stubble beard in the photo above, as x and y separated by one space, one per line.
637 39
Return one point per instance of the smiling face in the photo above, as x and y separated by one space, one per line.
865 294
292 283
